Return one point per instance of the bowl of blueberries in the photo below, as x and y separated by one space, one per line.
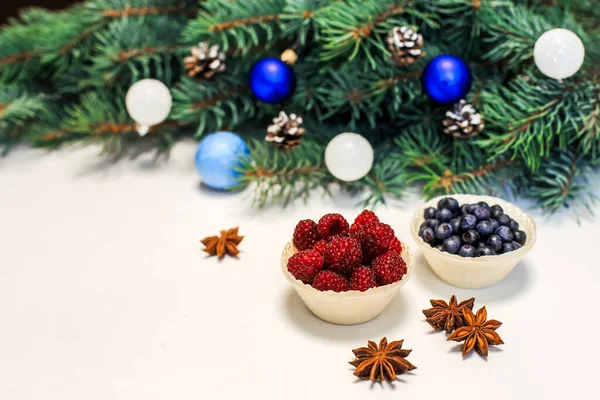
472 241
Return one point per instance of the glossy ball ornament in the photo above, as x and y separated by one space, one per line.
446 79
148 103
349 156
559 53
218 157
272 80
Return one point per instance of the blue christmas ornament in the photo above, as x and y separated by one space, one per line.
272 80
446 79
217 158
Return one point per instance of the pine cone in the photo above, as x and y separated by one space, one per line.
463 121
205 61
285 132
406 45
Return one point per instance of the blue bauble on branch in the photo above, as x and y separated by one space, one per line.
446 79
272 80
218 157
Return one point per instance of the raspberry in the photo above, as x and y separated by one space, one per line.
363 278
343 255
305 264
320 246
363 218
375 239
329 280
389 268
305 234
336 237
332 224
396 245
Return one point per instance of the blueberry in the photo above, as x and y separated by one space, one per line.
440 247
514 225
423 225
483 204
507 248
444 215
467 251
443 231
432 223
452 205
470 208
505 233
471 237
452 244
494 223
503 219
516 245
427 235
480 245
455 224
464 209
496 211
495 242
485 228
429 212
486 251
449 203
520 237
482 213
468 221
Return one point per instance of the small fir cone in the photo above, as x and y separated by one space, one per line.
285 132
463 121
406 45
205 61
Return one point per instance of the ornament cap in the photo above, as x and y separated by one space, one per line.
289 57
142 129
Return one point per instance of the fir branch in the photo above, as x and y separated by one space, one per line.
214 104
19 57
589 134
367 94
531 116
450 180
284 177
125 55
219 27
561 182
214 100
238 25
350 29
386 179
129 11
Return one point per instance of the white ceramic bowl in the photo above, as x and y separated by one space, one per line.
480 272
346 308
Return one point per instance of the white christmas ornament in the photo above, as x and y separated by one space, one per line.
349 156
148 103
559 53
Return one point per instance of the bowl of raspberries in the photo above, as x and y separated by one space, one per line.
472 241
346 274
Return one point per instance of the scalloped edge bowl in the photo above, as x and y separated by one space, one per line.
346 308
480 272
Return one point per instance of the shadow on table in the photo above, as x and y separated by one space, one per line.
303 319
513 285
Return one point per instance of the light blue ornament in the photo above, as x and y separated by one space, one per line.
218 157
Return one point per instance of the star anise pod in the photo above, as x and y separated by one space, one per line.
477 332
381 362
225 244
447 316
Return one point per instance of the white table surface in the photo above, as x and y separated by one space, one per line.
105 293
